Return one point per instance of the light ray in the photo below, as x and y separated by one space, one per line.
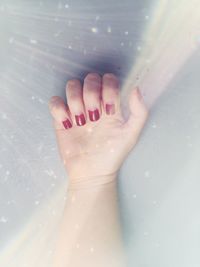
169 41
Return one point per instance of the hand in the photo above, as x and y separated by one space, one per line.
91 142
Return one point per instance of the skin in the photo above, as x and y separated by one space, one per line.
92 155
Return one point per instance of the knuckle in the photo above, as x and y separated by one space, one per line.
53 101
110 76
111 81
72 83
92 76
73 96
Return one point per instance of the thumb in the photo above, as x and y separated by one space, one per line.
138 115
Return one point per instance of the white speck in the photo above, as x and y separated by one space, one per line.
109 29
37 202
91 249
146 17
49 172
77 245
97 17
32 41
89 130
139 48
97 145
147 174
67 152
66 6
126 33
154 202
112 150
4 116
134 195
53 212
73 199
33 97
94 30
11 40
190 145
57 33
3 219
52 185
69 46
7 173
154 125
122 44
40 225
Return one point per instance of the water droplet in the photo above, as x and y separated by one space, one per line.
94 29
3 219
32 41
109 29
37 202
147 174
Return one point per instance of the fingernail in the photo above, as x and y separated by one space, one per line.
80 119
67 124
94 115
110 109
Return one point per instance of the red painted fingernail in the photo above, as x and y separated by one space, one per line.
110 109
80 119
67 124
94 115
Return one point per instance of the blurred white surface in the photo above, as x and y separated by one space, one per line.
154 44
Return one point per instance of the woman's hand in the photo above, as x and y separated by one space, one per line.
93 137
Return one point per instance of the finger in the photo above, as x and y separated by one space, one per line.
92 96
74 94
138 115
110 94
60 113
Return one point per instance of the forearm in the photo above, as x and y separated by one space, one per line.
90 233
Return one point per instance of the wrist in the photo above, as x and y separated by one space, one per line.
89 182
